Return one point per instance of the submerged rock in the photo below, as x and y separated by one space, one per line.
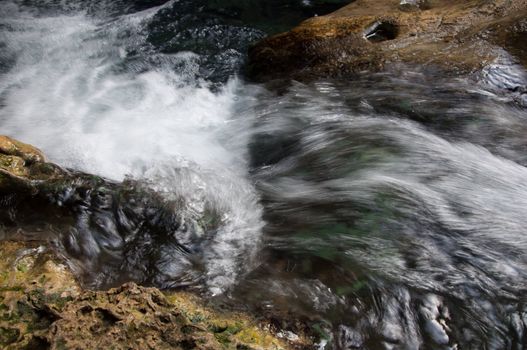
457 36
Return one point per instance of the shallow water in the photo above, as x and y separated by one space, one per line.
387 211
403 233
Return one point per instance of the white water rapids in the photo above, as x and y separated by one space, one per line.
390 208
72 89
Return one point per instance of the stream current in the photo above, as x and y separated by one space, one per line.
387 210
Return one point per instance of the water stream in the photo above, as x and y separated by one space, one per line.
388 211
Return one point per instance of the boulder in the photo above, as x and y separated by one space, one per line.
368 35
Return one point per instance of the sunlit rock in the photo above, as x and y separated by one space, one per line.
21 163
460 37
9 146
43 307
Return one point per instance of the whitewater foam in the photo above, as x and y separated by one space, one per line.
81 90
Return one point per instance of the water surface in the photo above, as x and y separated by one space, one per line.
386 210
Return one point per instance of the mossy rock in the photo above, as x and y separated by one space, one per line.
41 306
20 164
27 152
13 165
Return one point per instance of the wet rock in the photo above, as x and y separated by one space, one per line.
460 37
42 307
99 224
349 338
11 147
505 75
33 286
137 317
21 163
13 165
413 5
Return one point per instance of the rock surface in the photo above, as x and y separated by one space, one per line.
99 225
20 163
27 152
42 305
460 36
43 308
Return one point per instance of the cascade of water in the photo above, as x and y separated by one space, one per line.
390 207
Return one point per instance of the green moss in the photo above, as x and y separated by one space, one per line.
223 339
3 276
224 333
10 317
22 267
5 161
46 168
37 296
8 335
197 318
58 300
234 328
42 279
319 330
23 307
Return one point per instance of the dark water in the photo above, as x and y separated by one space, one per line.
386 211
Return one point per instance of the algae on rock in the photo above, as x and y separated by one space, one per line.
42 307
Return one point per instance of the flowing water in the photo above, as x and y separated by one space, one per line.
387 211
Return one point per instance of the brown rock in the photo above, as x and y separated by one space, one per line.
27 152
13 165
21 163
42 307
460 36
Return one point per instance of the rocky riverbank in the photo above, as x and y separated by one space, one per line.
368 35
42 306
